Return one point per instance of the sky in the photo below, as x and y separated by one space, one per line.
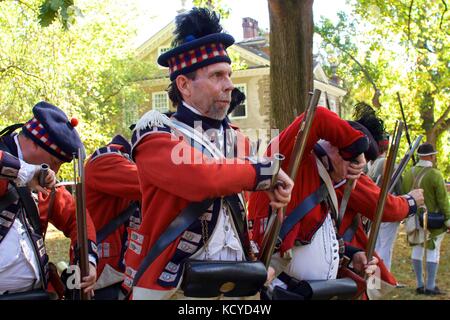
157 14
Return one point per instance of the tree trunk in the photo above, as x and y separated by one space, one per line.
291 60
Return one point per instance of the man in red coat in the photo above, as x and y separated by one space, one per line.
310 249
364 197
112 198
47 138
193 156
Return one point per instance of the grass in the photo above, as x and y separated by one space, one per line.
57 245
404 273
58 250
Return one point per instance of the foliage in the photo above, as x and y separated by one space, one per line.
217 5
90 70
385 47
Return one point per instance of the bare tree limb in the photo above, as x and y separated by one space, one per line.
409 19
443 120
377 94
4 70
443 13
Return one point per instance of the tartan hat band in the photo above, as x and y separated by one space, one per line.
37 132
196 58
196 54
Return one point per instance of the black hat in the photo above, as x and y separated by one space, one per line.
372 152
237 98
199 41
426 149
51 130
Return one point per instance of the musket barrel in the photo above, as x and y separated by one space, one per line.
81 219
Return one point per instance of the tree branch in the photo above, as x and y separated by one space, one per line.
409 19
377 94
4 70
443 13
443 120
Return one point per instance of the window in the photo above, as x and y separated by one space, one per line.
160 101
131 115
163 49
240 112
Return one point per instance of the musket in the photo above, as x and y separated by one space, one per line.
385 184
82 240
43 174
425 237
406 126
344 201
404 162
274 226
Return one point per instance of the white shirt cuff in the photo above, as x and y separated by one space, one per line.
26 173
92 260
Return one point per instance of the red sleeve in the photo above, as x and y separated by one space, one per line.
364 198
179 169
114 175
327 126
63 215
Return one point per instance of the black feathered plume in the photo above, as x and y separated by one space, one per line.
365 115
198 22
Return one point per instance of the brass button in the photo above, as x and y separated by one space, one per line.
227 287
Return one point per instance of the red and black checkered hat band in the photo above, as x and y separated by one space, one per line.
37 132
196 58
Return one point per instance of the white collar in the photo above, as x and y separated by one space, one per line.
424 163
19 150
192 108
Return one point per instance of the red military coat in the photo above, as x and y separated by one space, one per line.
111 184
363 200
328 126
167 188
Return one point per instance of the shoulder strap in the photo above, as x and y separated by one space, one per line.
30 208
175 229
239 219
115 223
351 230
10 197
418 178
302 210
24 194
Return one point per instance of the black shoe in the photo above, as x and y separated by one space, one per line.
420 290
434 292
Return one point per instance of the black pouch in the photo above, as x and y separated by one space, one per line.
435 220
206 279
38 294
338 289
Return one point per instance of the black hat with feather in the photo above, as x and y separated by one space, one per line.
199 41
368 123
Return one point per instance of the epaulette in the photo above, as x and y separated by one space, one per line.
107 151
151 122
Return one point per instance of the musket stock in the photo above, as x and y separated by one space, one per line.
393 149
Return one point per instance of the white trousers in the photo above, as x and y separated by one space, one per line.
432 255
385 241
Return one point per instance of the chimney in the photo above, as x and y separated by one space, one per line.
250 27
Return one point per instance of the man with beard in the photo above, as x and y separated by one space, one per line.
194 156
